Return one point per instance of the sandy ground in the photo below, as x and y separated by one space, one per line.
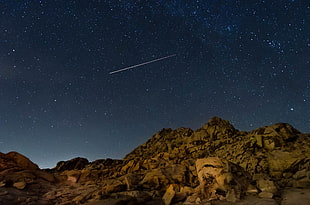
296 197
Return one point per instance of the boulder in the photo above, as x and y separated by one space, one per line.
130 166
220 179
169 194
266 185
161 178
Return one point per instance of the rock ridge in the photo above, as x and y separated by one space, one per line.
213 164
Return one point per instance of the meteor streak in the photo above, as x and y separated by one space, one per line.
141 64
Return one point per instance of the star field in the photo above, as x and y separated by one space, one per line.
245 61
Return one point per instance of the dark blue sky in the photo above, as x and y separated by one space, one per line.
243 61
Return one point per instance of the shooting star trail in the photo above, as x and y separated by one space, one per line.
141 64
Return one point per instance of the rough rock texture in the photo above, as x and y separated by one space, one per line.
14 160
21 181
215 164
221 180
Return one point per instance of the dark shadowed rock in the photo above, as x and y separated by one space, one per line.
16 161
22 181
72 164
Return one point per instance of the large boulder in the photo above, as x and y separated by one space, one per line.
221 180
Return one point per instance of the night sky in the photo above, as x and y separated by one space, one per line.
243 61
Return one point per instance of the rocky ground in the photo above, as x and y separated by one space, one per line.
215 164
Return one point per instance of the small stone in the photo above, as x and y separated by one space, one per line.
19 185
198 200
2 183
252 189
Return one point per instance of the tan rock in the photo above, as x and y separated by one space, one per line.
2 183
131 166
115 186
252 189
220 179
154 179
187 190
72 179
267 195
19 185
70 176
213 175
169 194
162 177
279 161
79 199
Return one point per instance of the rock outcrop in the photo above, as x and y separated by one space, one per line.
73 164
214 163
22 181
221 180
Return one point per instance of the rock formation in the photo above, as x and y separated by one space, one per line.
221 180
21 181
212 164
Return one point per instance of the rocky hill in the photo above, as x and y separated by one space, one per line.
215 164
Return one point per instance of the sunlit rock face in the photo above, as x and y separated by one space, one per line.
220 179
